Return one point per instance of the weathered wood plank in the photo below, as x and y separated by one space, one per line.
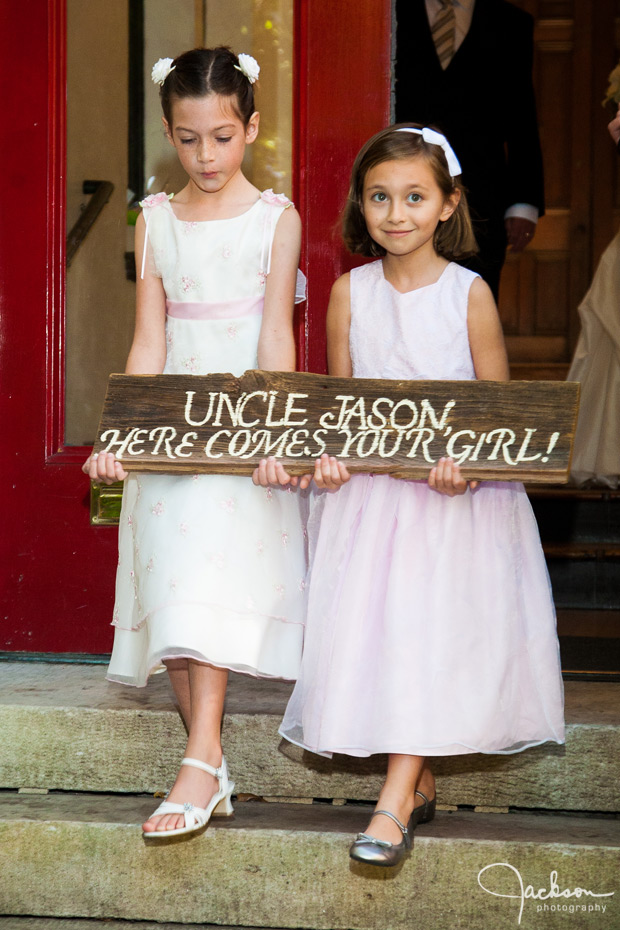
221 424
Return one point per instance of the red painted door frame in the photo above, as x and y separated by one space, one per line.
57 572
343 86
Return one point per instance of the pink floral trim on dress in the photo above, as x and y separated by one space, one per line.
154 200
276 200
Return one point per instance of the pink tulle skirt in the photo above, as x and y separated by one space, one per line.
431 628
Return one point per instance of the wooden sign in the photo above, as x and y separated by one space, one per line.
519 430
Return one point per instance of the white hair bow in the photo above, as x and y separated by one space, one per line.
436 138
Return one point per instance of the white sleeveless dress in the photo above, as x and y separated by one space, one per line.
431 627
210 566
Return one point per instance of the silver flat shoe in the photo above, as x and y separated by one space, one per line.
425 812
370 850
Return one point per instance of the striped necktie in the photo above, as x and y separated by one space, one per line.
443 33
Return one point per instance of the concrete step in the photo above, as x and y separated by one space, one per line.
284 866
65 728
75 923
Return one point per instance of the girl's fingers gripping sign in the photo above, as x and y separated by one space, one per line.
329 473
446 478
104 468
270 472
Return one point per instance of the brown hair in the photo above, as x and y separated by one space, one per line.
454 238
203 71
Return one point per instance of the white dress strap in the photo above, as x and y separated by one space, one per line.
147 208
146 242
267 243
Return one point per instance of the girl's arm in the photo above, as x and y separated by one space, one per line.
328 472
486 339
147 355
338 326
276 343
488 352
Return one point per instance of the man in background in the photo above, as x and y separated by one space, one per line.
465 66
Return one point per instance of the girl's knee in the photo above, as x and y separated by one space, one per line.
175 665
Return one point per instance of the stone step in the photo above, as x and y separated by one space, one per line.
65 728
286 865
75 923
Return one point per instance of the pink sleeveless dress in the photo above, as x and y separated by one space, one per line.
431 627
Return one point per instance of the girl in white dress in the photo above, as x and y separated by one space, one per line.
431 628
211 568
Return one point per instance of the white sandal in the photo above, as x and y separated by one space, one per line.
197 817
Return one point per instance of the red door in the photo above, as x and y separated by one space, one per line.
57 569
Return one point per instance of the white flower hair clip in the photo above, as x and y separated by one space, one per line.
161 70
249 67
436 138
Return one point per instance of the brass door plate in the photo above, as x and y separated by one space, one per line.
105 503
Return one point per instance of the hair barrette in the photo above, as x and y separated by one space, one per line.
249 67
161 70
436 138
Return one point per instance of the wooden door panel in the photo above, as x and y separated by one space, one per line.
553 42
541 289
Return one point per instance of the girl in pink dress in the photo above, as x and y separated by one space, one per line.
431 627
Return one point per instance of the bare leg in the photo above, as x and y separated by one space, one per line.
178 673
405 774
207 686
426 783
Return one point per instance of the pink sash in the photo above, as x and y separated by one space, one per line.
215 310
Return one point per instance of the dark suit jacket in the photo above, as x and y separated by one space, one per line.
484 101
